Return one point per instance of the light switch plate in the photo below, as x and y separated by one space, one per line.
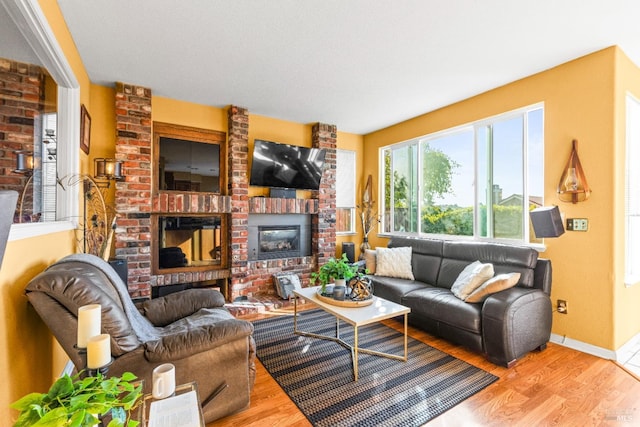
577 224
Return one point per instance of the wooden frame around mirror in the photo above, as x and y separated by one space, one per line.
186 133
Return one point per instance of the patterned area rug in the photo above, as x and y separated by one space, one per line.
317 374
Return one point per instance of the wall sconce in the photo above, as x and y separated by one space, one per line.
573 185
24 162
547 221
108 169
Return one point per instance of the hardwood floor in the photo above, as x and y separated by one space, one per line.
556 387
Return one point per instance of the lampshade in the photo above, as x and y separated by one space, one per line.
547 221
110 169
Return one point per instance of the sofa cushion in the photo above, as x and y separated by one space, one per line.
493 285
441 305
469 279
393 289
425 257
394 262
370 260
505 259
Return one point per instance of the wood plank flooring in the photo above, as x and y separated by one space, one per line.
556 387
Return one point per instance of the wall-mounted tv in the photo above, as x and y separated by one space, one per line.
286 166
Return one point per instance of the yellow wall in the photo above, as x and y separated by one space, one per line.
29 356
579 104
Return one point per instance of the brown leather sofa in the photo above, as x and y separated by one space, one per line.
190 329
506 326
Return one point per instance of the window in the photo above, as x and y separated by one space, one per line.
478 180
345 191
632 194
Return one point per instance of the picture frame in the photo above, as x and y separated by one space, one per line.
85 129
286 283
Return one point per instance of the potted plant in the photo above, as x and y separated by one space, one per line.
76 401
338 270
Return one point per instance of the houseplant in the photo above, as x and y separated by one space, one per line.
338 270
76 401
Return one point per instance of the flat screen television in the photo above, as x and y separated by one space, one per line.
286 166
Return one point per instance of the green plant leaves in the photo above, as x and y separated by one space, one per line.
76 401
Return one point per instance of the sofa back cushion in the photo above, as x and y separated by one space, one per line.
74 284
505 259
425 258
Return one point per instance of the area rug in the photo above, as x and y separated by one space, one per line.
317 374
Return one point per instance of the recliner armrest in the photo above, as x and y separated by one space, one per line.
169 308
178 346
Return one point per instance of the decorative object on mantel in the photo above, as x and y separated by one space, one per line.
85 401
369 217
573 185
99 220
338 269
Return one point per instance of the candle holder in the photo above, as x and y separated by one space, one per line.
82 352
104 370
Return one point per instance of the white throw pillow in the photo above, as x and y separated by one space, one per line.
473 275
394 262
493 285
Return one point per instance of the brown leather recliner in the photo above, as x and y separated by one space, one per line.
190 329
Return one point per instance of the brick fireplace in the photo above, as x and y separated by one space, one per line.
137 206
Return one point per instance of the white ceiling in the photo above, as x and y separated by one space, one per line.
359 64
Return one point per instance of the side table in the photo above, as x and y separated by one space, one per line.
173 408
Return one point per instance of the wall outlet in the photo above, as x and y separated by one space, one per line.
562 306
577 224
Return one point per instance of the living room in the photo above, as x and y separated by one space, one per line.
584 99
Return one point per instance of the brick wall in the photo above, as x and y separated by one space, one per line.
21 101
133 195
136 205
324 225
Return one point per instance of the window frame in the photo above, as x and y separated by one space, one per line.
352 209
475 127
28 16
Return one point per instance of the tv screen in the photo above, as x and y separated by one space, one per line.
286 166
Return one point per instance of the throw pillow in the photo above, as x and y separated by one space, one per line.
493 285
370 260
286 283
473 275
394 262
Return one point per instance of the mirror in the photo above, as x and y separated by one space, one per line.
28 116
188 159
26 38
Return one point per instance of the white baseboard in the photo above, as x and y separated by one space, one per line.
583 347
628 350
622 355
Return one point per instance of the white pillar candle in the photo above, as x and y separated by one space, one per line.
98 351
88 323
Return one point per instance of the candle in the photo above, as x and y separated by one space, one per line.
98 351
88 323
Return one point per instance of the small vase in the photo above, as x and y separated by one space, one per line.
363 247
339 292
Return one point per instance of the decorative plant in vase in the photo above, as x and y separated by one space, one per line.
369 217
338 270
76 401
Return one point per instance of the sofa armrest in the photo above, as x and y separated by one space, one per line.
542 276
514 322
206 337
167 309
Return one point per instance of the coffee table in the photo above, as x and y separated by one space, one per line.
380 309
